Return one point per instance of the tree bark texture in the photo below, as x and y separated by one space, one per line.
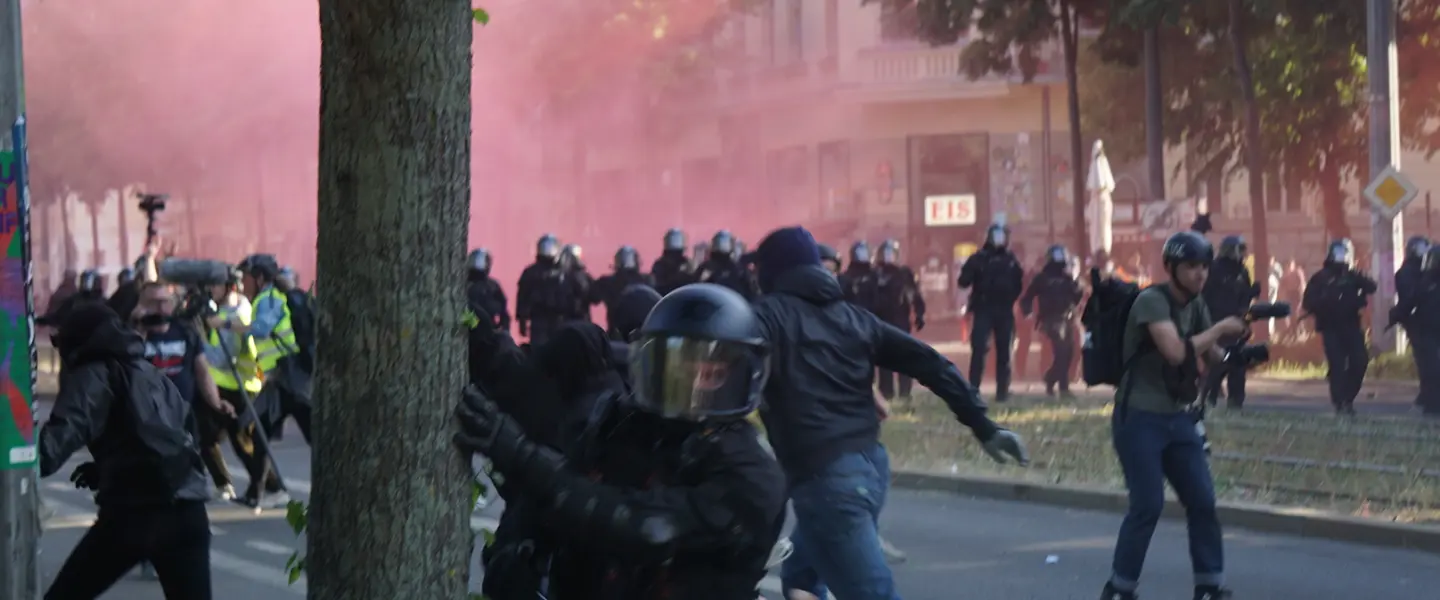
389 512
1079 167
1254 161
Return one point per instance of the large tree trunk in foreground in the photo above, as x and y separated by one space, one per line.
389 511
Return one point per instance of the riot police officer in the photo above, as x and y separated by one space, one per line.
672 269
1059 294
722 269
1228 292
699 254
667 487
608 288
897 301
571 259
831 259
482 290
1335 297
858 279
995 279
1407 283
547 293
92 286
1420 312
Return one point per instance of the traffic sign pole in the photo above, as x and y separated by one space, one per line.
1386 221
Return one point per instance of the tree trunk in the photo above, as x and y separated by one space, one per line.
1254 164
1332 196
1154 116
389 516
1070 38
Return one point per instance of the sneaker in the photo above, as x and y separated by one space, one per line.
1110 593
225 493
893 555
1212 592
269 500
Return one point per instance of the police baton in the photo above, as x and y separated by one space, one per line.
262 441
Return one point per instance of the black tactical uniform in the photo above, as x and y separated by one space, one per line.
1335 296
896 300
547 293
995 279
668 492
1059 296
482 290
1418 310
580 281
608 288
672 269
92 286
1407 285
722 269
1228 293
858 279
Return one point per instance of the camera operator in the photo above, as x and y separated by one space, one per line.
1155 437
174 347
278 351
222 346
1228 293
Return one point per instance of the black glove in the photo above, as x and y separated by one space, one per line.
86 477
484 429
919 324
524 328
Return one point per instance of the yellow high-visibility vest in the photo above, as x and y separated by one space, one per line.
281 343
245 363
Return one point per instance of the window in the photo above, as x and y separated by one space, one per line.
836 199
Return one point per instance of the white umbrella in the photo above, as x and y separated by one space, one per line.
1100 210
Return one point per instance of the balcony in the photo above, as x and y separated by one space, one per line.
917 72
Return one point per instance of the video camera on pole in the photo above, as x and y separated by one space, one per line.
197 276
152 204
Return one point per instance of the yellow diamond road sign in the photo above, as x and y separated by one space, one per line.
1391 191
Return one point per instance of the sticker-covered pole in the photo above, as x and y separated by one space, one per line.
1384 153
19 497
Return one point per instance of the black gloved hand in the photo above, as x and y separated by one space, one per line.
919 325
86 477
524 328
485 429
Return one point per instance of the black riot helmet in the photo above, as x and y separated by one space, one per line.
1233 247
1417 247
626 258
1431 263
573 254
700 356
739 251
125 277
90 281
547 248
889 252
1340 252
860 253
1057 255
1187 247
479 261
262 267
830 258
722 243
997 236
675 240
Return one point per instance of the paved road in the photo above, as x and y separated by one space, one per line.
991 550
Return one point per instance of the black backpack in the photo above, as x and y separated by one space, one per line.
302 322
164 423
1102 356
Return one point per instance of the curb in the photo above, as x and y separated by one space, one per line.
1296 522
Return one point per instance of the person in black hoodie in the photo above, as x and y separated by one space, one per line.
820 415
150 481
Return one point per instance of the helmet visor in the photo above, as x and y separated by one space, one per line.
860 254
547 247
695 379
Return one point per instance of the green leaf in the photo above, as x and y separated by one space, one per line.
297 515
481 16
489 537
297 570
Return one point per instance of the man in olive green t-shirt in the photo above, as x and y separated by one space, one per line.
1155 438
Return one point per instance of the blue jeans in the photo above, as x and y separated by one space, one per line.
1154 448
836 535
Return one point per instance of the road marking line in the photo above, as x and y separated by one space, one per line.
270 547
216 530
271 575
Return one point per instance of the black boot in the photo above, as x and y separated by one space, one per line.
1212 592
1110 593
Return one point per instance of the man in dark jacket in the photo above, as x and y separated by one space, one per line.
1228 293
819 412
147 472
